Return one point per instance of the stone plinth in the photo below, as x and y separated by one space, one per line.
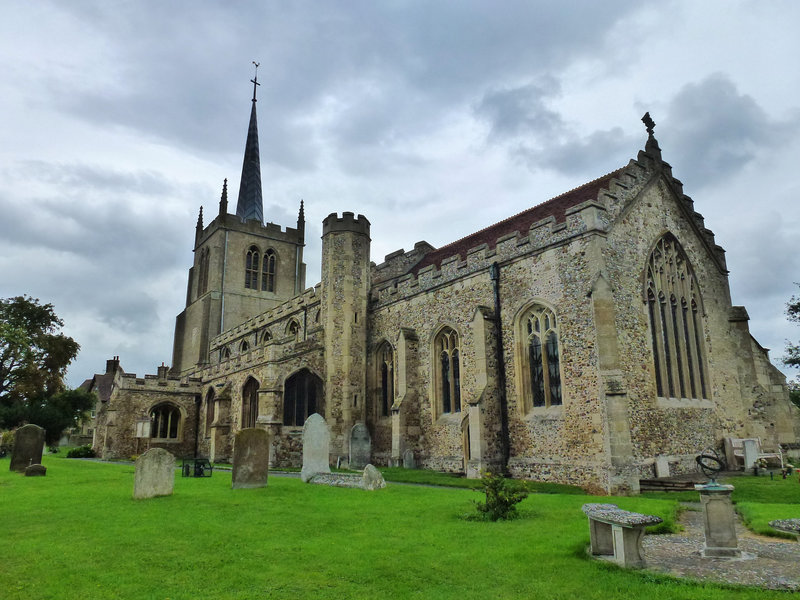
35 471
719 521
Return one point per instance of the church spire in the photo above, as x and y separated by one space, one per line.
250 205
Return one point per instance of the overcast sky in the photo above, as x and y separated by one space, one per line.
118 120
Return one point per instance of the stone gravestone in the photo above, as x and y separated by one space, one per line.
372 479
662 466
154 474
360 446
250 459
316 447
35 471
408 460
28 447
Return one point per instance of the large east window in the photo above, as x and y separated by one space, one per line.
674 311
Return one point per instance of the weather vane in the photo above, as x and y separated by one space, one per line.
254 80
648 123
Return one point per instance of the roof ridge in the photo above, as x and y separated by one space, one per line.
530 208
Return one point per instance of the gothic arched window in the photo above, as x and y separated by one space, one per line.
386 378
210 401
251 267
165 421
674 313
268 272
447 371
302 397
244 347
266 336
293 329
541 368
202 278
249 403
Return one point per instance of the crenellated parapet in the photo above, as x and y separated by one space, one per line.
348 222
304 309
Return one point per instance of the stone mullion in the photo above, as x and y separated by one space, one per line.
661 363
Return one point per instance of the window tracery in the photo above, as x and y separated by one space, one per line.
447 371
541 358
675 317
251 269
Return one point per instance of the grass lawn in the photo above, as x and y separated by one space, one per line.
76 533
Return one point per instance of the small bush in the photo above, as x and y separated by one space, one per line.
502 496
81 452
7 440
52 449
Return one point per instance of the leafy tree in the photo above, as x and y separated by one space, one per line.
792 358
34 356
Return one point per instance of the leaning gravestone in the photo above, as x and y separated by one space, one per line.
154 474
35 471
250 459
316 447
360 446
28 447
408 460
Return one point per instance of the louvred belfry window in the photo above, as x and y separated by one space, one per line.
268 272
674 313
251 269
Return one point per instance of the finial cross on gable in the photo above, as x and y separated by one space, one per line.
255 80
648 123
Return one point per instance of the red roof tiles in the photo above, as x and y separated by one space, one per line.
520 223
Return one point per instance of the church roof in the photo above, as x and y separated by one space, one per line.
520 223
250 204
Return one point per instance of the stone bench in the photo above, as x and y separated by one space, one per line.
787 525
618 533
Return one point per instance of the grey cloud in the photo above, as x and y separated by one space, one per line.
418 56
522 111
715 130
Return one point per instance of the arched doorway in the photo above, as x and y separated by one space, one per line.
302 397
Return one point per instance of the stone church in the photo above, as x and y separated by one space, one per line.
575 341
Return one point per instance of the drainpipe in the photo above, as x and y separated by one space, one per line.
505 440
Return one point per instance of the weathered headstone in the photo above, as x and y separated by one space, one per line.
28 447
316 447
250 458
360 446
662 466
154 474
35 471
750 453
408 460
372 479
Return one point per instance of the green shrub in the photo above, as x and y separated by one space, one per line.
502 496
81 452
7 440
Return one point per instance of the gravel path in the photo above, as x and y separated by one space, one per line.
776 564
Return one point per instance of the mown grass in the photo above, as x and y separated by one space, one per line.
76 533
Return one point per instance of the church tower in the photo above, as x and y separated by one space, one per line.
242 267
